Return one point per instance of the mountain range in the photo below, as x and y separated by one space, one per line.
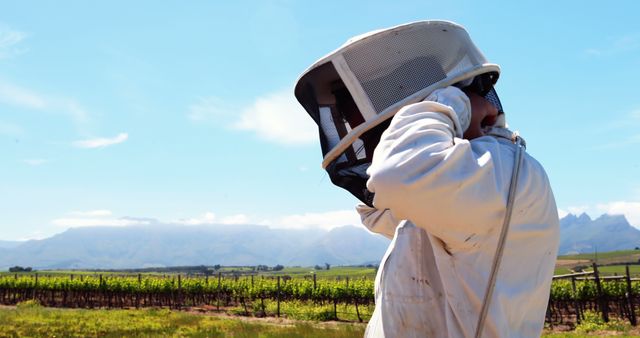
581 234
162 245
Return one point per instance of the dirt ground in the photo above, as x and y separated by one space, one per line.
572 262
558 329
211 311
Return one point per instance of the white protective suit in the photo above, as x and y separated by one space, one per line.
443 199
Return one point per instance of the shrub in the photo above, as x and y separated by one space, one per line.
18 268
29 304
593 322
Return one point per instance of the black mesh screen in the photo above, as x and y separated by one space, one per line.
493 98
327 100
407 79
350 172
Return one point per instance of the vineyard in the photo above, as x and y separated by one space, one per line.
571 295
576 294
250 294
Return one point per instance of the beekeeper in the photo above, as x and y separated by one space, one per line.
410 123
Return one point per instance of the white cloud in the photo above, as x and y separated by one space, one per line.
98 217
325 220
9 39
91 213
620 44
101 142
208 108
617 123
576 210
621 131
206 218
72 108
236 219
593 51
34 161
562 213
630 209
16 95
211 218
626 43
92 222
21 97
34 235
277 117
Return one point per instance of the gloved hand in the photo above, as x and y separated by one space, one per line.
457 100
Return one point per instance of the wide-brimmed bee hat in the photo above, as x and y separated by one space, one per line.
353 92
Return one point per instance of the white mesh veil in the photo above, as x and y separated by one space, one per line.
353 92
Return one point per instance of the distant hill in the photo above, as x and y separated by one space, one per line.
160 245
9 244
581 234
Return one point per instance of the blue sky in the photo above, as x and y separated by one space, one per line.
115 112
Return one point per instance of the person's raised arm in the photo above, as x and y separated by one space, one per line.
423 171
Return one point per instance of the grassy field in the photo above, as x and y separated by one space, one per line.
333 273
32 320
605 256
609 270
29 320
634 270
566 263
82 272
562 270
303 320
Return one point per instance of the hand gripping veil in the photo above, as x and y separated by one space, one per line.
353 92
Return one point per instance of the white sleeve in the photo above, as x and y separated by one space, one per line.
378 221
453 188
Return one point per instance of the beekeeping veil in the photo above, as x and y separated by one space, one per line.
353 92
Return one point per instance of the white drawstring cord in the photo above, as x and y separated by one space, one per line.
503 236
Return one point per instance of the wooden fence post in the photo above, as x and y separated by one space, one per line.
218 292
35 293
632 308
314 280
576 303
179 292
101 293
602 299
278 298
